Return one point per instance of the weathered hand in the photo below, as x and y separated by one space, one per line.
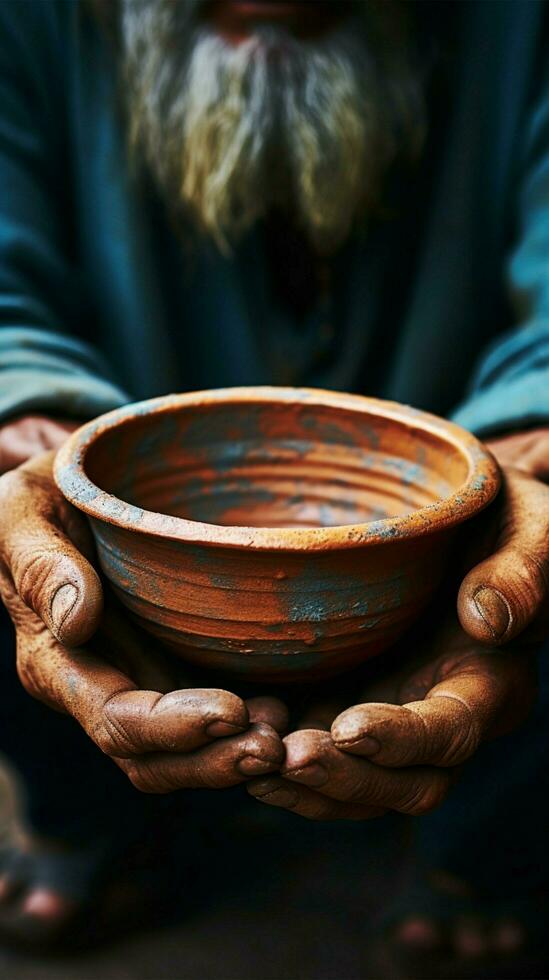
507 589
86 660
400 748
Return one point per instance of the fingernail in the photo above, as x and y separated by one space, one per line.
251 766
494 610
280 797
313 775
62 604
368 744
218 729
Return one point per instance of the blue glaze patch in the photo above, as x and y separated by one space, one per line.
116 564
85 494
316 600
411 474
479 481
377 528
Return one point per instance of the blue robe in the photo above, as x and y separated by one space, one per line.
443 304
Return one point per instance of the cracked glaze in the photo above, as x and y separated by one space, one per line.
278 533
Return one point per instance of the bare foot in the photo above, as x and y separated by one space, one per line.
43 886
457 925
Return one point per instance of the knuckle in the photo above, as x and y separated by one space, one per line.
30 572
464 744
461 742
104 741
460 734
112 735
528 581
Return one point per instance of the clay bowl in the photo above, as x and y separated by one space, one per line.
276 533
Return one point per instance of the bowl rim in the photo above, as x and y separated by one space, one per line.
479 489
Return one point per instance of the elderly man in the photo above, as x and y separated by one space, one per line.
194 194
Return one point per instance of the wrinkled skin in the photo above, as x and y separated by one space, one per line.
401 748
124 697
397 750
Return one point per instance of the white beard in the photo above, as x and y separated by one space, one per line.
231 130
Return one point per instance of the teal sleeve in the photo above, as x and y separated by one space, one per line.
510 388
44 365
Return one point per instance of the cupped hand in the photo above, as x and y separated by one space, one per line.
81 655
506 592
402 747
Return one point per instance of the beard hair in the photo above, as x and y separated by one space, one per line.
231 130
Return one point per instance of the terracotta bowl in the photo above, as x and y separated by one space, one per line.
276 533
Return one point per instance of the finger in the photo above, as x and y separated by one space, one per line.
122 720
135 722
502 595
225 763
49 573
313 760
272 711
306 802
448 726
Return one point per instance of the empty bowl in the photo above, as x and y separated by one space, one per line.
275 533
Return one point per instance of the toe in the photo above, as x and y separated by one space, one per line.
470 939
37 917
46 906
508 936
418 933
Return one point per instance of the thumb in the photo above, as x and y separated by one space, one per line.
48 572
502 595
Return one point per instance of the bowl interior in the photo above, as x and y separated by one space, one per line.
274 465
